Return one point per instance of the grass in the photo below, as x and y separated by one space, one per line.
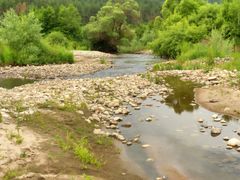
66 106
72 135
84 154
103 60
11 174
104 140
1 118
16 137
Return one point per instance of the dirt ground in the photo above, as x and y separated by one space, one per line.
219 99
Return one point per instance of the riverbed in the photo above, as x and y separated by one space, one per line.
176 147
178 150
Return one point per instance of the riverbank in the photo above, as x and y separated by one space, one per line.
106 99
85 62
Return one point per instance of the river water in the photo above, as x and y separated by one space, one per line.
176 143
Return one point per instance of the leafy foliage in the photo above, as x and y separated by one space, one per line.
22 42
111 25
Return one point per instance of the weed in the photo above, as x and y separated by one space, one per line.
83 153
1 118
104 140
103 60
16 137
11 174
87 177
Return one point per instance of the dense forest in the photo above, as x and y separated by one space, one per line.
38 32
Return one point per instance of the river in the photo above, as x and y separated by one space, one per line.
177 147
176 144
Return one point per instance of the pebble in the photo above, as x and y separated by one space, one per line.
129 143
149 160
149 119
200 120
145 145
229 147
127 125
234 142
226 138
216 131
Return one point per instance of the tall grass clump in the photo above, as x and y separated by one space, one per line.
192 51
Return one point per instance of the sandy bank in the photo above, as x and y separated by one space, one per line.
221 100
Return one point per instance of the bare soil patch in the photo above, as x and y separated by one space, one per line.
219 99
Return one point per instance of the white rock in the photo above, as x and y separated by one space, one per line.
145 145
234 142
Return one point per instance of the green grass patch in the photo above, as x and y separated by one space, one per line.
11 174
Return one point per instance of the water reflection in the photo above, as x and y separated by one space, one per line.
10 83
182 97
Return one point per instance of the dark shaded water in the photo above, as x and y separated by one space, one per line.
10 83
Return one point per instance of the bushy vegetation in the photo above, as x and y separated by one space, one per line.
173 29
22 42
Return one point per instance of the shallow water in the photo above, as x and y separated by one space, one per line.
174 135
10 83
124 65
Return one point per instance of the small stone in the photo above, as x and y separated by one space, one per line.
214 116
136 140
216 131
234 142
229 147
200 120
145 145
127 125
226 138
149 119
217 119
223 121
137 108
129 143
238 149
202 130
149 160
212 78
118 119
124 174
227 109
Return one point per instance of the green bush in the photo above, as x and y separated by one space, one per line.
22 42
6 56
169 41
57 38
192 51
218 46
54 55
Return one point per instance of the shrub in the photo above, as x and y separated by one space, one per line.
6 56
168 44
57 38
22 42
192 51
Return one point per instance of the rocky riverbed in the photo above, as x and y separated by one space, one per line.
108 99
85 62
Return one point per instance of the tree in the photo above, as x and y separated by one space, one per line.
48 18
111 25
22 34
69 20
231 16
